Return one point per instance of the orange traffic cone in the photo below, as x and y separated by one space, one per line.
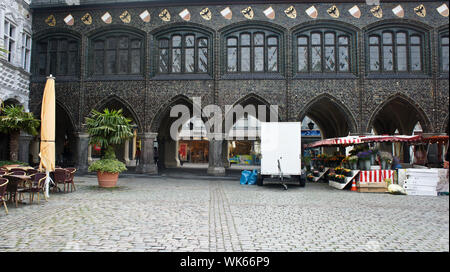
354 189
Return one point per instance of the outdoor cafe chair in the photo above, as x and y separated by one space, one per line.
71 176
16 187
37 185
17 169
3 185
2 172
61 176
17 172
31 172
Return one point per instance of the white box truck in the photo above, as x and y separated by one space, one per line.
281 152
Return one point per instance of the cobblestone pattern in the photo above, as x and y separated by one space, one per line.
212 214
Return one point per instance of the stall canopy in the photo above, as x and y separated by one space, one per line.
392 138
435 140
354 140
342 141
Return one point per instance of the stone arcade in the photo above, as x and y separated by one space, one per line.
351 67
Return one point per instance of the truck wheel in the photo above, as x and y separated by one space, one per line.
301 181
259 180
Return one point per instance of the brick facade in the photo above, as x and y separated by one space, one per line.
358 97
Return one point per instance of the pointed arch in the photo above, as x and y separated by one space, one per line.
406 111
59 104
255 100
164 110
331 115
127 108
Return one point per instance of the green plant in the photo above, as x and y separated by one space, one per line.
2 163
107 165
353 158
14 119
306 160
108 128
388 181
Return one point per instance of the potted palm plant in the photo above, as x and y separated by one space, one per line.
108 129
13 120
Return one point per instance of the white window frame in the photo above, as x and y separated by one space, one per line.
11 55
26 51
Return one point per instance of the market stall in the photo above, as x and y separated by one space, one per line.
371 168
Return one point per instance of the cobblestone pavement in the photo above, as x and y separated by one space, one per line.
188 213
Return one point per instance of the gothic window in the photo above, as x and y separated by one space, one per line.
57 55
323 50
396 50
443 54
117 53
183 52
252 51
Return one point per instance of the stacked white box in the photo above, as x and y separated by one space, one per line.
421 182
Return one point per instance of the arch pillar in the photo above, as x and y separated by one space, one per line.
82 149
24 147
215 163
147 163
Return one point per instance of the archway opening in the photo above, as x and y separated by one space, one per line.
126 151
330 120
4 138
244 147
65 141
397 114
193 144
167 146
243 142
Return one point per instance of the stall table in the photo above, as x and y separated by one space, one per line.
321 174
341 186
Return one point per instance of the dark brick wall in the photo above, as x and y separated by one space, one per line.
360 97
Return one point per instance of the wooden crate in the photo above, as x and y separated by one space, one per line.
372 187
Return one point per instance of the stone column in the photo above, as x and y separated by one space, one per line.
171 153
90 154
147 163
82 149
226 161
24 147
216 165
126 155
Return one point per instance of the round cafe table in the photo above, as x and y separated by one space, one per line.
24 168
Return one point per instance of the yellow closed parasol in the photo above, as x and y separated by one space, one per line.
47 150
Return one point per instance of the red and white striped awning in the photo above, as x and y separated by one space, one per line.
392 138
341 141
349 140
353 140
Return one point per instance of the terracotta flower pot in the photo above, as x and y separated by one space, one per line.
107 180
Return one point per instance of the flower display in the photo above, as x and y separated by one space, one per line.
365 155
385 156
339 178
353 158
